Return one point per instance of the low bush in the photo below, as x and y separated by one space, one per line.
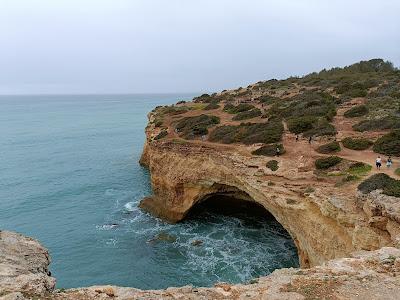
247 114
158 122
389 144
269 150
349 178
356 111
162 134
327 162
381 181
311 126
212 105
329 148
397 172
267 99
356 143
301 124
232 109
191 127
248 133
273 165
390 122
322 128
359 168
172 110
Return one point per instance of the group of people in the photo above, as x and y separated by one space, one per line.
378 162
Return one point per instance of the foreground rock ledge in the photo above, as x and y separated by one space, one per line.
365 275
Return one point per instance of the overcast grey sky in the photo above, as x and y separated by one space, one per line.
122 46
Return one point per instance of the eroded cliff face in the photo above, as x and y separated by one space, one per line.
325 222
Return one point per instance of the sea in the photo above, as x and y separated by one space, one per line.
70 177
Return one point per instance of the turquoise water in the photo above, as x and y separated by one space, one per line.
69 176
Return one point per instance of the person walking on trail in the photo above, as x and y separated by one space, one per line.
378 162
310 139
297 138
278 151
389 162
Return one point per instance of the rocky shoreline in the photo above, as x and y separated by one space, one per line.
364 275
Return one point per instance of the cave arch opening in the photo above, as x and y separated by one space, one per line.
244 231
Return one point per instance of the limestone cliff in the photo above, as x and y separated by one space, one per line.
325 222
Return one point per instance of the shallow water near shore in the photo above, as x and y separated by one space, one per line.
69 177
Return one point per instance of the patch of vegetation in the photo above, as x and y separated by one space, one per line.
192 127
352 90
273 165
321 128
356 143
311 126
158 122
381 181
349 178
242 107
327 162
397 172
269 150
255 112
212 105
309 103
172 110
248 133
356 111
329 148
163 133
266 99
389 144
359 168
384 123
301 124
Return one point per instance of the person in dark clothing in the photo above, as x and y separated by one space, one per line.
278 151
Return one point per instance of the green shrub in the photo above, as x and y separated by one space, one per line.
397 172
212 105
247 114
389 144
232 109
322 128
381 181
329 148
162 134
327 162
356 111
301 124
248 133
390 122
172 110
349 178
311 126
356 143
273 165
269 150
191 127
267 99
352 90
158 123
359 168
